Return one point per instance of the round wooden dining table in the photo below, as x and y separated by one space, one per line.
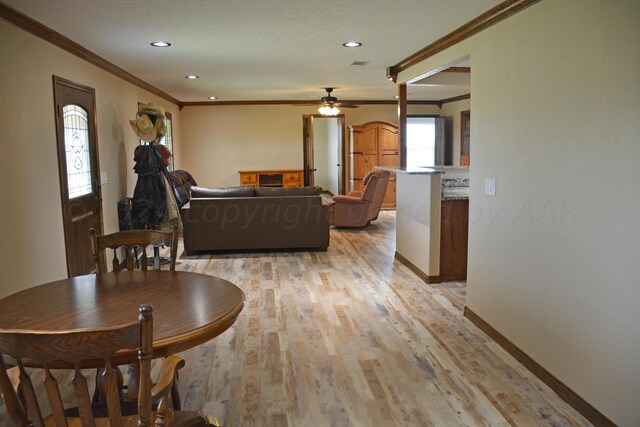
188 308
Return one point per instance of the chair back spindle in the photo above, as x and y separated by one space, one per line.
41 350
132 241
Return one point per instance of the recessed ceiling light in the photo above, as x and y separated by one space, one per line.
396 97
191 77
352 44
213 98
160 44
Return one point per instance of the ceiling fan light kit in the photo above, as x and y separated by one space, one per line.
327 110
330 104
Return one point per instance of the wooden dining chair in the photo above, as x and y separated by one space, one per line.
132 241
44 351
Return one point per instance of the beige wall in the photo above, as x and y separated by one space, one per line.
32 247
220 140
451 113
553 257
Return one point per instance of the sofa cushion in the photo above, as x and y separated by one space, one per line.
216 192
287 191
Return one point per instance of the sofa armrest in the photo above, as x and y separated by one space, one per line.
355 193
347 200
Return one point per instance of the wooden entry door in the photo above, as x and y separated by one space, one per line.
79 172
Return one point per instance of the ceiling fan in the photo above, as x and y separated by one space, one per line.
329 104
332 101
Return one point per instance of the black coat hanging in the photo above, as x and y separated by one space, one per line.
149 197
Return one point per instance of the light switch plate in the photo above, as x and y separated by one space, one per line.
490 186
104 177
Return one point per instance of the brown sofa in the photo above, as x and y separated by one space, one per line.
247 218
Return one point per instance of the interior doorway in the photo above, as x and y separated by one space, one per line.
323 147
465 137
79 172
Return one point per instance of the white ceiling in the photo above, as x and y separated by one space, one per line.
259 49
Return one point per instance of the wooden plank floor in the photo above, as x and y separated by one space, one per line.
351 337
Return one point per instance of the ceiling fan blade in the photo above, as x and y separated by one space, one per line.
339 105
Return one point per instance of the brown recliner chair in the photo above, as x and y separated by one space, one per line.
182 182
359 208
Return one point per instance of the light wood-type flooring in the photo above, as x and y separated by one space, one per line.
351 337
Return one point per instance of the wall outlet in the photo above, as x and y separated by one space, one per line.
490 186
104 177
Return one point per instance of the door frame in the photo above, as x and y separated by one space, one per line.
62 172
308 145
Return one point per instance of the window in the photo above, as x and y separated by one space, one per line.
421 141
168 138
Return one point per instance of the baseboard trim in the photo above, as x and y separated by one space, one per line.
561 389
421 274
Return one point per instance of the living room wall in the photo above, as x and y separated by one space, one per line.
32 247
218 141
553 257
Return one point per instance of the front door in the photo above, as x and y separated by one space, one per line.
79 173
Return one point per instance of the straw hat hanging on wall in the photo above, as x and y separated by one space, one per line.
149 122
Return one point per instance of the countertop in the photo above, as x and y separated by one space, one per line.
455 193
416 170
455 188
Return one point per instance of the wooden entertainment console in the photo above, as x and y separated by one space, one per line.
272 178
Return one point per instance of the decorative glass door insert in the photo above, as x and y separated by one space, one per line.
78 158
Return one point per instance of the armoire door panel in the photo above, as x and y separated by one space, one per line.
363 163
389 200
366 140
389 159
387 138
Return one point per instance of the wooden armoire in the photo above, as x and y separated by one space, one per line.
374 144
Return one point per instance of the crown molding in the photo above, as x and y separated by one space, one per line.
38 29
302 103
34 27
482 22
439 103
457 70
454 99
